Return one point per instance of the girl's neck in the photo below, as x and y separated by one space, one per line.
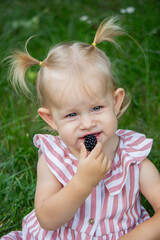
111 147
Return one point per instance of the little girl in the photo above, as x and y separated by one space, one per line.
82 195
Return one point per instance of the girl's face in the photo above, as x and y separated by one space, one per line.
78 115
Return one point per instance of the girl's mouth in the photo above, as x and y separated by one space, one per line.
98 135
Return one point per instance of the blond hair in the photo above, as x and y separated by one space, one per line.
68 55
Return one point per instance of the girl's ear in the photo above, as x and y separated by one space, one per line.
46 115
118 96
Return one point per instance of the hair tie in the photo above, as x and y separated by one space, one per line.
40 63
94 44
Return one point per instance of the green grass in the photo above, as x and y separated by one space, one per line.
58 21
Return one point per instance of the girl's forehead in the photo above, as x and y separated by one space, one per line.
72 101
79 96
78 92
73 86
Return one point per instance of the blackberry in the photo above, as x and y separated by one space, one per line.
90 142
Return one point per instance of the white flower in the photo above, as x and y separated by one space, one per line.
130 10
83 18
127 10
89 21
122 10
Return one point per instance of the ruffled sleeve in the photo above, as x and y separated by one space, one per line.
58 157
133 149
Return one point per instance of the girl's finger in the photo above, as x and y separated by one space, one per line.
96 151
83 151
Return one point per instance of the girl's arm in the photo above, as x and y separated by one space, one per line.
150 188
56 205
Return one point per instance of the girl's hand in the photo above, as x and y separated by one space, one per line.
92 167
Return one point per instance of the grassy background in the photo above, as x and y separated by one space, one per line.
53 22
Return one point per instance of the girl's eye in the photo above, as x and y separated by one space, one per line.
97 108
71 115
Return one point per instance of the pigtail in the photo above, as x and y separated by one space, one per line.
107 30
19 63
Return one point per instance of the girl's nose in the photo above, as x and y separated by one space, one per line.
87 122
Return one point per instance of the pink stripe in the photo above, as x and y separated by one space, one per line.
65 234
70 223
87 237
73 235
18 236
44 234
33 228
93 209
137 203
142 149
115 177
54 235
119 175
12 236
137 142
51 149
128 219
7 237
93 203
125 132
79 236
26 221
38 233
67 152
104 213
29 217
81 218
28 237
145 216
140 159
26 232
34 222
124 202
132 190
57 142
120 234
56 170
114 211
127 140
122 132
118 165
57 155
117 187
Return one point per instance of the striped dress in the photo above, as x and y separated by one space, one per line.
112 209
